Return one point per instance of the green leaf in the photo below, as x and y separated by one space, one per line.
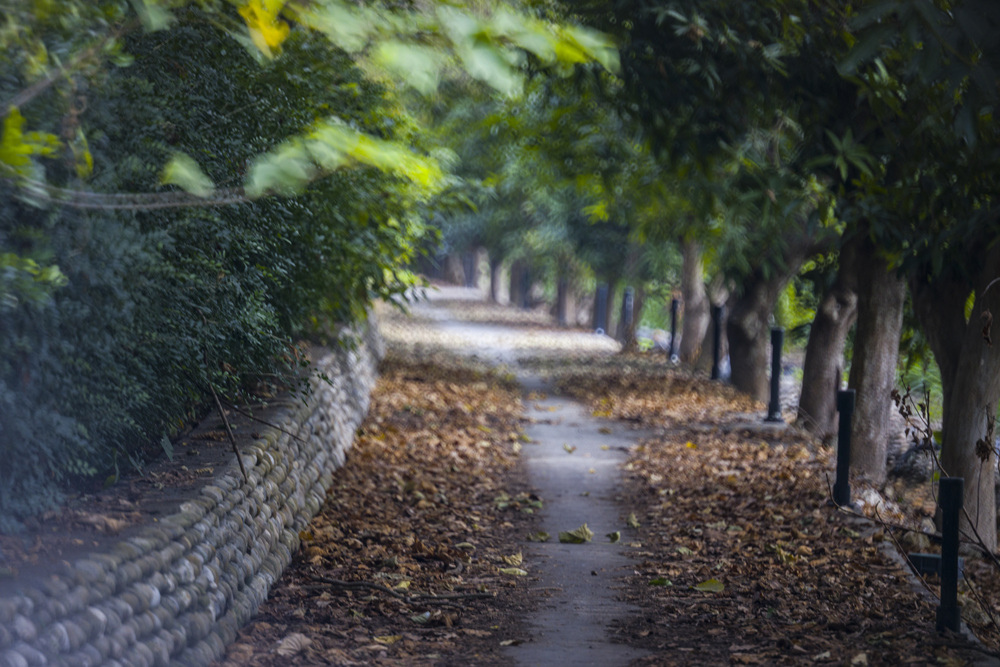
540 536
153 14
185 173
614 537
661 581
513 571
168 447
578 536
864 50
632 521
417 66
710 586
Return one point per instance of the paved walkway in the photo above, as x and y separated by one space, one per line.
579 582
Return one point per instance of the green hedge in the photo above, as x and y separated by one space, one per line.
160 304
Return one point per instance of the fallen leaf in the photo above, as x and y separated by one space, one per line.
540 536
710 586
388 639
293 644
569 448
661 581
614 537
514 559
578 536
632 521
513 571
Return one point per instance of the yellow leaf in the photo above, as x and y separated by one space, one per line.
515 571
710 586
403 585
266 30
632 521
388 639
578 536
17 146
691 445
514 559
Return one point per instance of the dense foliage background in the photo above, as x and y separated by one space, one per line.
155 305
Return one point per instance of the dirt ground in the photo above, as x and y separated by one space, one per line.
416 559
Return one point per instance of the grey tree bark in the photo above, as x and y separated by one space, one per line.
969 361
881 298
824 361
695 317
454 269
748 327
495 269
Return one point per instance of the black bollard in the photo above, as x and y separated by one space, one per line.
950 497
601 308
674 306
562 294
842 487
774 407
717 314
628 307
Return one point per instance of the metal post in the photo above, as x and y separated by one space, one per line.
601 308
717 313
674 305
526 291
628 307
774 408
562 290
842 487
950 495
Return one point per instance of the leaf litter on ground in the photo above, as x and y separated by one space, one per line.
743 560
413 559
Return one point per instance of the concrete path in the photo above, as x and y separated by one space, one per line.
579 582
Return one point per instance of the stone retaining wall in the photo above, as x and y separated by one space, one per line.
178 592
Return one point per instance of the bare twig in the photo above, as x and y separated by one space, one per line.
981 601
417 598
248 415
902 551
229 432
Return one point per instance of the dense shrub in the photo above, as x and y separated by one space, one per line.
157 305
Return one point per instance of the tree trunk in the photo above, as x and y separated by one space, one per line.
517 286
824 361
970 377
454 269
748 327
495 266
630 343
695 320
881 298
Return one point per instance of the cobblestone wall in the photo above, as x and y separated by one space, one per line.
177 593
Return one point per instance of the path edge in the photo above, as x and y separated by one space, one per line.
178 591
